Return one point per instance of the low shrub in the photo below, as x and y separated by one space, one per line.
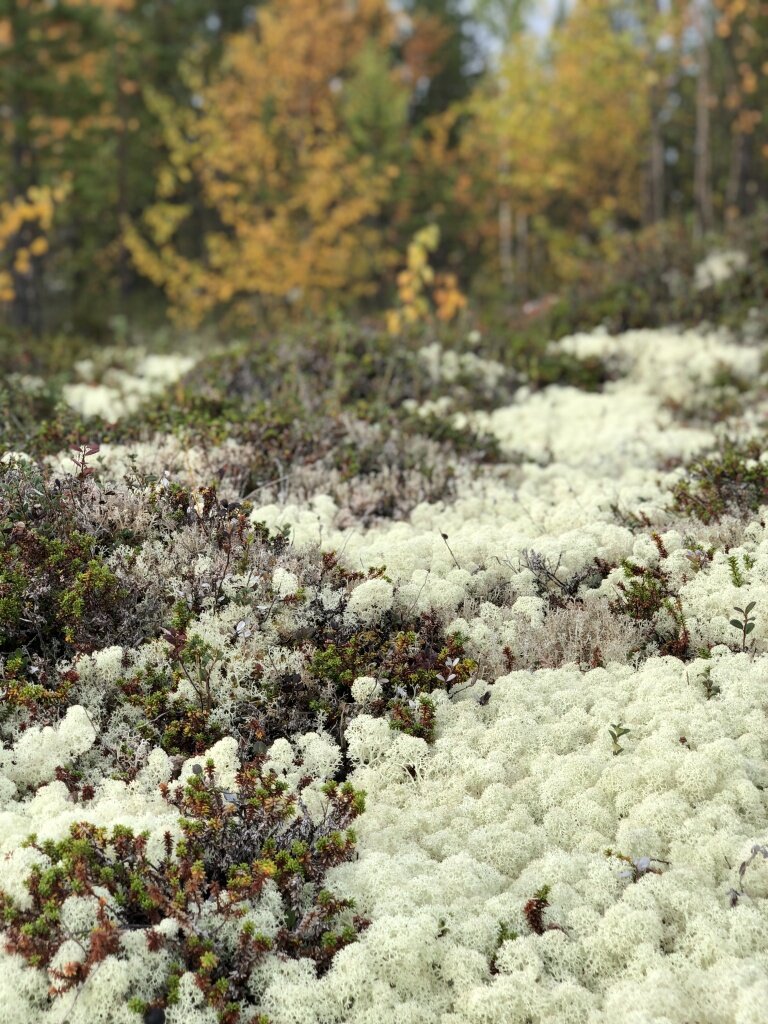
730 480
204 887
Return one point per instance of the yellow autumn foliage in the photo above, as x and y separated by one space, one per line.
422 294
293 202
560 134
25 223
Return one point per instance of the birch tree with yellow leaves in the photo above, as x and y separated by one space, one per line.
560 131
292 179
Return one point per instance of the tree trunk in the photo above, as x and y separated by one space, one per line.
735 174
122 156
656 190
506 240
26 306
702 147
521 247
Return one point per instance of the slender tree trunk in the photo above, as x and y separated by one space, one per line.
521 252
506 240
26 312
122 154
658 93
656 169
703 146
735 175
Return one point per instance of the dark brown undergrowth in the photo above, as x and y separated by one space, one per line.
89 565
233 845
646 595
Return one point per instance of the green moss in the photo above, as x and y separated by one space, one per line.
95 588
13 586
51 585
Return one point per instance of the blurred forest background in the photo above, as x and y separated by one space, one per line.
234 163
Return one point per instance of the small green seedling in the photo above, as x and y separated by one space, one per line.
746 624
617 730
504 934
710 689
736 574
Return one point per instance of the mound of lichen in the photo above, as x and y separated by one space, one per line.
432 695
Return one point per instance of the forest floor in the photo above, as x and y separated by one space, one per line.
520 603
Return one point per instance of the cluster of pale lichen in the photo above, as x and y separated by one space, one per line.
529 624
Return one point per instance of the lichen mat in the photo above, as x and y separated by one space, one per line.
537 682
